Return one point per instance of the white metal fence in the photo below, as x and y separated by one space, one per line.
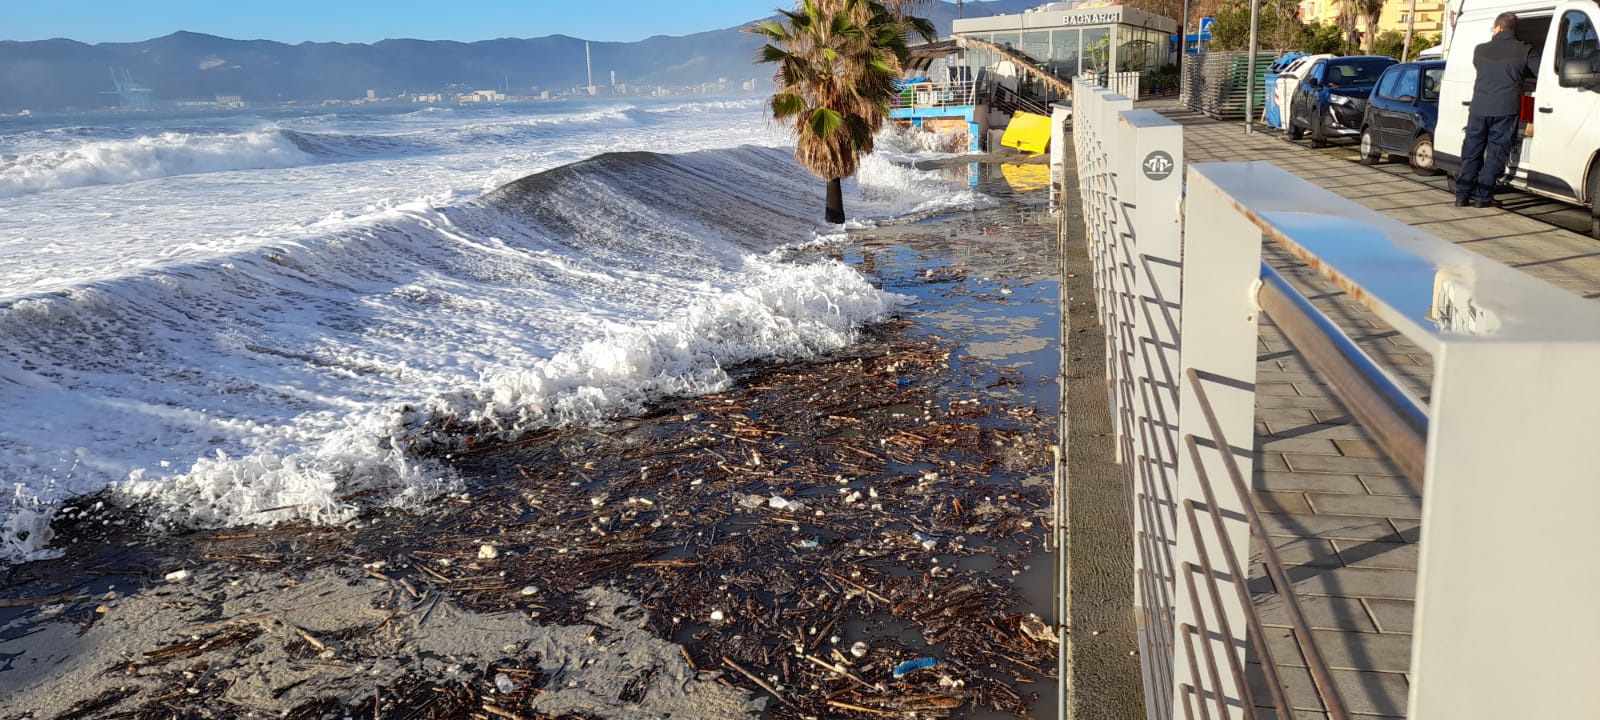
1505 624
1125 84
935 94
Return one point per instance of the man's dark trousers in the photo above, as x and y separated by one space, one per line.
1484 155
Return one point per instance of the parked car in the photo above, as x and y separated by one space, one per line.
1331 100
1558 156
1288 79
1402 115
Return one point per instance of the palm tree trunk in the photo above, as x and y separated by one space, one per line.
835 201
1411 24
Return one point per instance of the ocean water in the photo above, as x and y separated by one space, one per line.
261 317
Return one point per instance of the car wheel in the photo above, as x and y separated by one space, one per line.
1422 156
1318 140
1295 131
1370 154
1594 202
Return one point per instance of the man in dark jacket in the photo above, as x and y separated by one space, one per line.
1502 63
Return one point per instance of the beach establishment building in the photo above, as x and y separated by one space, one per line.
997 66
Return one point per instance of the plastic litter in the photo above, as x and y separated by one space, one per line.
928 542
177 576
488 552
505 684
859 649
911 666
778 502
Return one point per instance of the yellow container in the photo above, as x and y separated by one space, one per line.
1027 132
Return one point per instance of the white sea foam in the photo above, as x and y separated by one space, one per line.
899 143
122 161
890 189
786 311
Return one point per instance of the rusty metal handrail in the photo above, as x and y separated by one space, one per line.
1031 64
1398 421
1321 676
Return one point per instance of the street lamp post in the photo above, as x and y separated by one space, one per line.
1250 68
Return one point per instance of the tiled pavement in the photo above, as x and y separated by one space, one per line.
1340 515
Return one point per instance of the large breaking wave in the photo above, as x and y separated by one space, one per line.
289 381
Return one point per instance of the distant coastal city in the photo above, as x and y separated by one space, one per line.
460 96
130 96
128 91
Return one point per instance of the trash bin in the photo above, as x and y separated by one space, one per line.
1272 112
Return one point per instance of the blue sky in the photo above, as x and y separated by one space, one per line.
370 20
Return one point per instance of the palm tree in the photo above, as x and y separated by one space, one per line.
1367 11
837 62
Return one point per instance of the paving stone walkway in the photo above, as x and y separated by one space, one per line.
1342 517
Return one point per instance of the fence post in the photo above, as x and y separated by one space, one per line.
1506 624
1059 114
1221 271
1152 261
1108 184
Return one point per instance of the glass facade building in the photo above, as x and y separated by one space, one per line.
1074 38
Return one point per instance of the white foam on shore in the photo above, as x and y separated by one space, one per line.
787 311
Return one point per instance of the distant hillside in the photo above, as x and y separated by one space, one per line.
55 75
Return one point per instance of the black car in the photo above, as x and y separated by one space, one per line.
1331 101
1402 113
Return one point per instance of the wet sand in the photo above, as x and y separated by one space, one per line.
777 549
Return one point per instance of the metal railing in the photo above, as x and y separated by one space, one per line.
1219 85
1012 102
935 95
1121 83
1181 289
1138 291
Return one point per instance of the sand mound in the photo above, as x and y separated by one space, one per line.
339 636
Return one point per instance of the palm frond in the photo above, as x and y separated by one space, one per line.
824 121
769 54
787 104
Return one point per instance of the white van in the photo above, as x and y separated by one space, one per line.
1558 157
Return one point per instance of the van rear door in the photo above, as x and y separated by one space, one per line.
1565 137
1456 93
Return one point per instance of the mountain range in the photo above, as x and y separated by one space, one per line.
66 75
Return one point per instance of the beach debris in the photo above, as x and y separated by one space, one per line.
780 503
177 576
730 558
911 666
488 552
1037 629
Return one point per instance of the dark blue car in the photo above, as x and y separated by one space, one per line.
1331 101
1402 113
